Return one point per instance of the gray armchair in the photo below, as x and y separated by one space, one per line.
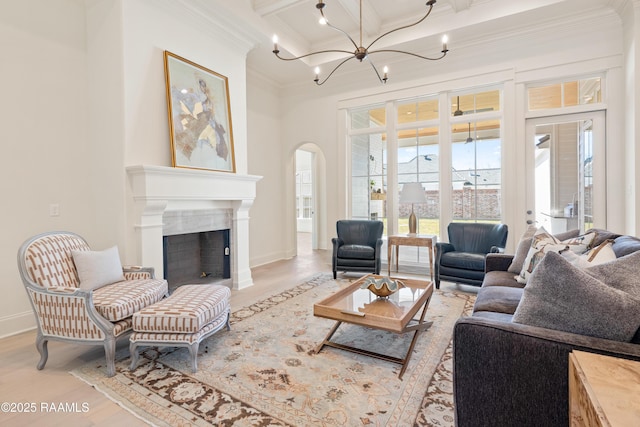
462 260
358 246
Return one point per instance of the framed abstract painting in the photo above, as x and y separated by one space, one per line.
199 116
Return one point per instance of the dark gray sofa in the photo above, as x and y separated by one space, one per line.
512 374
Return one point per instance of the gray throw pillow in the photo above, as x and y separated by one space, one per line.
622 273
522 250
563 297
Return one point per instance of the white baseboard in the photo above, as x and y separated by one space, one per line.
268 259
17 323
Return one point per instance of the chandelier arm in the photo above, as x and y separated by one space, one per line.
277 54
338 29
430 3
318 82
376 70
444 53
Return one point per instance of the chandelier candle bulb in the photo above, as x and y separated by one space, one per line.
275 43
445 39
385 70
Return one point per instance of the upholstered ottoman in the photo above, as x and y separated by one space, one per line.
184 319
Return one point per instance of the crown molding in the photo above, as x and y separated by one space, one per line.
216 19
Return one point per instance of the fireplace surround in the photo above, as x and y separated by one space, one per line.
168 201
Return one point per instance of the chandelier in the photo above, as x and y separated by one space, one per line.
361 53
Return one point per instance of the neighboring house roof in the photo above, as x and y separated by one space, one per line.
428 172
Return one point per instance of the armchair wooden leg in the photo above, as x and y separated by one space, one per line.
133 352
193 351
41 345
110 354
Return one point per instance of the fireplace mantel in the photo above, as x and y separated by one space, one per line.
158 189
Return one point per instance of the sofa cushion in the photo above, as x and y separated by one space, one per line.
601 236
499 299
500 317
120 300
501 278
356 252
563 297
624 245
464 260
459 275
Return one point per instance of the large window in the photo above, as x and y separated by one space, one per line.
418 150
476 173
369 180
423 137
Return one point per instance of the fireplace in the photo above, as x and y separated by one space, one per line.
174 201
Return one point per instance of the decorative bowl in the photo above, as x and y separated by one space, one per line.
382 287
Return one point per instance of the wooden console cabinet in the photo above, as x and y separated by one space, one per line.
603 390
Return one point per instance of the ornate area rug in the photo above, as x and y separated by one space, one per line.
264 372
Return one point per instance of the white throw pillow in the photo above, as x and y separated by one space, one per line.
544 242
98 268
598 255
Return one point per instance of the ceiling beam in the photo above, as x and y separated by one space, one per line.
459 5
371 21
269 7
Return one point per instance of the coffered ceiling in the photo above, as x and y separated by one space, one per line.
464 21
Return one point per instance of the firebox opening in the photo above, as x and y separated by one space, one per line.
197 258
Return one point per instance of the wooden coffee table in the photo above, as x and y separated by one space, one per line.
396 313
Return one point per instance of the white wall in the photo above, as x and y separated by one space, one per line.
265 158
44 137
149 28
631 110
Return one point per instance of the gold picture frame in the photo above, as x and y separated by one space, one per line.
199 116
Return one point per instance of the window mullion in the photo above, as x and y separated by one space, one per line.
392 169
446 185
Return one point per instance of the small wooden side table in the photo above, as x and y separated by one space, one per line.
603 390
420 240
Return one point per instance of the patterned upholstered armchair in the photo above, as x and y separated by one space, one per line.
65 311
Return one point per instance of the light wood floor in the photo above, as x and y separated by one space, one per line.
21 382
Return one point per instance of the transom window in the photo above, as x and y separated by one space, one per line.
565 94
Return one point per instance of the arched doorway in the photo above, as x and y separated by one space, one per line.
310 198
